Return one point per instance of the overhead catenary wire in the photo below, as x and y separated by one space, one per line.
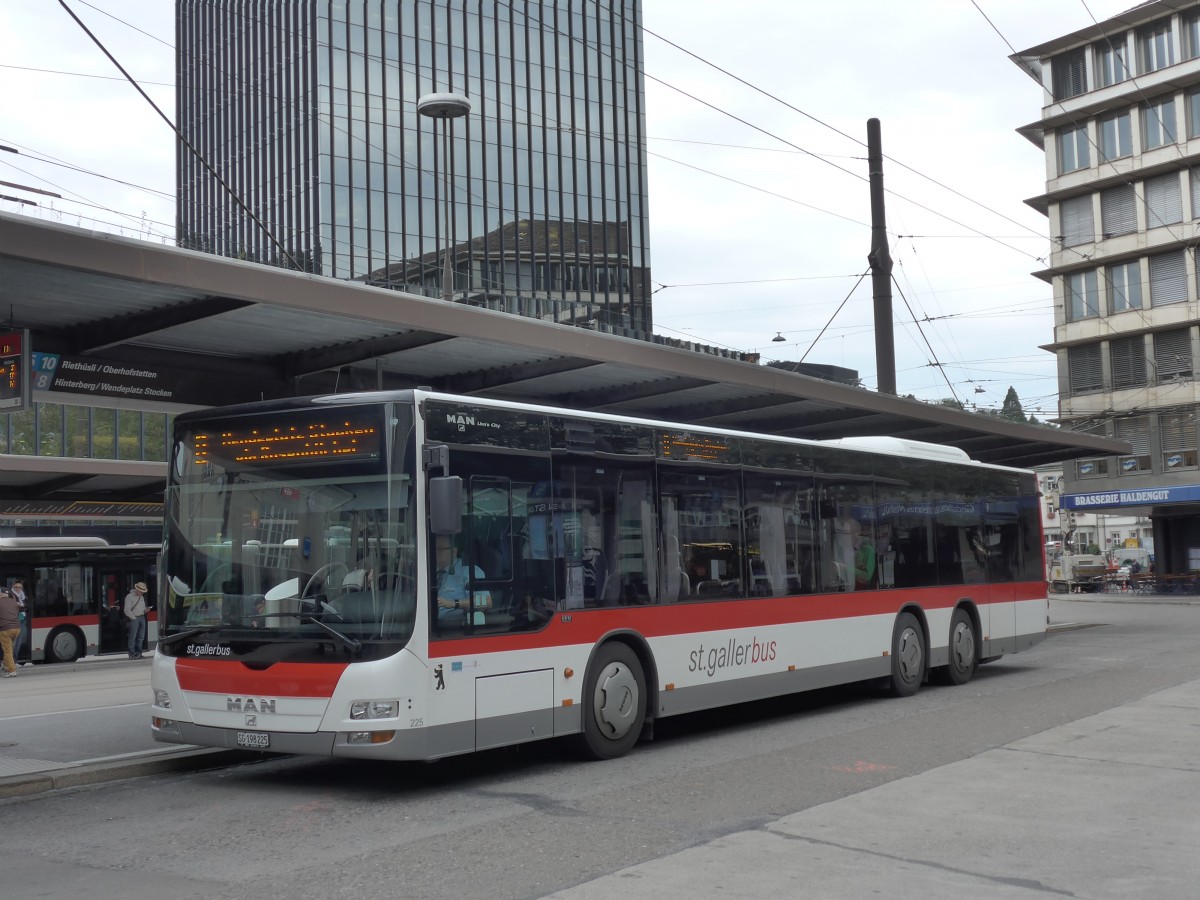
200 157
548 124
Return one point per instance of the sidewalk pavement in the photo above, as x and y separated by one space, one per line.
1103 807
112 691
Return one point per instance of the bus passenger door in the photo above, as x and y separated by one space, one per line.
112 620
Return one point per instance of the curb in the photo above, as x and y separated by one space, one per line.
81 774
1145 599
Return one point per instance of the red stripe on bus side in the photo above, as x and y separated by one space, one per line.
83 621
586 626
54 621
222 676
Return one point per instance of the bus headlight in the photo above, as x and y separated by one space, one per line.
374 709
162 699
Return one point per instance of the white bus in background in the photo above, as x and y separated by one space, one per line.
74 587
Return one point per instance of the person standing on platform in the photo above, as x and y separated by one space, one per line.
10 627
26 627
135 618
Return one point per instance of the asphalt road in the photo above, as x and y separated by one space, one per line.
532 822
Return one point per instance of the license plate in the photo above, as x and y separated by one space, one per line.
256 739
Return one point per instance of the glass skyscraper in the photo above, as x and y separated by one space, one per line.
306 148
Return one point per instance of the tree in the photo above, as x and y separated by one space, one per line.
1010 409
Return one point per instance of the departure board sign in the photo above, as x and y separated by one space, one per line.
14 374
695 446
296 439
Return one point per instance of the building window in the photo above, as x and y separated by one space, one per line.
1072 149
1193 113
1177 434
1155 50
1191 35
1116 136
1168 279
1069 74
1124 287
1164 201
1118 210
1158 123
1127 360
1076 221
1136 431
1110 61
1096 467
1085 370
1173 355
1083 298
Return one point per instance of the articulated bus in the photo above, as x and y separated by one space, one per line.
412 575
74 587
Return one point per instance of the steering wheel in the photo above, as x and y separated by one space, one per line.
321 572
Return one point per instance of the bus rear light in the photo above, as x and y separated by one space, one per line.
374 709
369 737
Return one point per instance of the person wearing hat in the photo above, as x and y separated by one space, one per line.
135 619
10 627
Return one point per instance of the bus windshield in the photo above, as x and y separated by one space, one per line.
290 536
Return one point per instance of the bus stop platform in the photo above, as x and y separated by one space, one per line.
72 724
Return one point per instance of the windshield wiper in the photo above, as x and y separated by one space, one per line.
350 642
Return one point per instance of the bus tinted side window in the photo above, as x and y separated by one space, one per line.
601 531
906 525
701 515
503 546
780 535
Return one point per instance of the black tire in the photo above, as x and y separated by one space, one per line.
964 649
64 645
908 656
614 703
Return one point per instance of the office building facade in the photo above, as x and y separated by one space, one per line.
1120 126
302 146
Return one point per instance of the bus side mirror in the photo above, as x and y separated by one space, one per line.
445 504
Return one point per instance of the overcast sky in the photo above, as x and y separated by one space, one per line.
758 227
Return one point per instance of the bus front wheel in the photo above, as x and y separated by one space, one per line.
64 645
908 655
614 703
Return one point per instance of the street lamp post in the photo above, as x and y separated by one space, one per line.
445 107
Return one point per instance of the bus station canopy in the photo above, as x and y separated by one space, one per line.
142 325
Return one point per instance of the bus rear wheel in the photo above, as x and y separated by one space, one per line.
908 656
614 703
64 645
964 653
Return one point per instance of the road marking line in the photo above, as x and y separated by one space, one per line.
63 712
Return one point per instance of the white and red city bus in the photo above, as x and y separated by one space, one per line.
74 587
608 572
